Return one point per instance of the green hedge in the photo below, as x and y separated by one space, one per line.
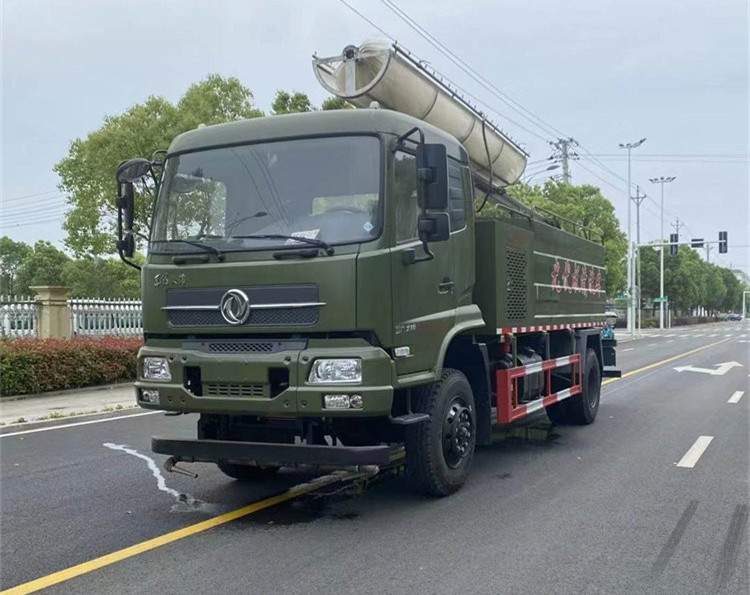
30 366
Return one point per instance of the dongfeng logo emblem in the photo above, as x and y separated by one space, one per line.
235 306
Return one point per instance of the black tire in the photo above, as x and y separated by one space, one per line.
558 413
582 408
439 451
245 472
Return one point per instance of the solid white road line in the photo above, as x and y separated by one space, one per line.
691 456
80 423
735 398
628 349
651 345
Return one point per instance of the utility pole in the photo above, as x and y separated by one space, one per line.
677 225
631 309
709 247
563 145
661 181
638 199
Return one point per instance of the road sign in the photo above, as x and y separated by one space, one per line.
659 300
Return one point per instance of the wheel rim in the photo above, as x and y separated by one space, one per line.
458 432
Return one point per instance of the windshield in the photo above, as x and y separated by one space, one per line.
318 188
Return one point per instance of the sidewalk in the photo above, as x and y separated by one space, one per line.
42 407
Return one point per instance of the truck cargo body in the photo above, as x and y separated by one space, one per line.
245 336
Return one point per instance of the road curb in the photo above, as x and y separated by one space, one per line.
60 421
69 391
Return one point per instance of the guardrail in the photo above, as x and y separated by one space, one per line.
18 317
94 317
21 317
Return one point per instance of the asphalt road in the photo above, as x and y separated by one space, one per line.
615 507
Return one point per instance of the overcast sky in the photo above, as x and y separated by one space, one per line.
604 72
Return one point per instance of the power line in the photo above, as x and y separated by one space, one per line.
463 65
36 222
30 195
354 10
489 86
503 116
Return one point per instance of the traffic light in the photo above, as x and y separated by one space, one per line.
722 242
696 243
673 247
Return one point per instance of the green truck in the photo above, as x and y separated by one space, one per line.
320 290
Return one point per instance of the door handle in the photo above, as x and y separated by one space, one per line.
446 286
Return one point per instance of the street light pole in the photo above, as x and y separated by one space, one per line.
631 309
536 173
661 180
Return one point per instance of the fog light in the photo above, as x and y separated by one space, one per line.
356 402
150 396
336 401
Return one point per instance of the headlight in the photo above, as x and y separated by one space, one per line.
334 371
156 368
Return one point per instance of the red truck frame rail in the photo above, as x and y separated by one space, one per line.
508 407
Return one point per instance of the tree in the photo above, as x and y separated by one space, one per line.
333 103
289 103
42 266
101 278
295 102
87 172
12 256
582 210
733 298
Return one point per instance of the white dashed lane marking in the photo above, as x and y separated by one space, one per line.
735 398
696 451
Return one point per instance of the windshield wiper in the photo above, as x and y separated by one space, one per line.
280 236
219 254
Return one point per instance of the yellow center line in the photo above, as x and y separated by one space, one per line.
662 362
139 548
150 544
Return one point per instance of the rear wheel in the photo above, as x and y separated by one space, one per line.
582 408
439 451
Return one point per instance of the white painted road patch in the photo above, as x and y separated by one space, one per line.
735 398
696 451
722 368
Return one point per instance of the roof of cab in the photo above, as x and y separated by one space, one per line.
319 123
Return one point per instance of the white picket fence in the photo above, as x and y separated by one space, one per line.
105 317
19 317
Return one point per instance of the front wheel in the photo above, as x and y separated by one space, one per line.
439 451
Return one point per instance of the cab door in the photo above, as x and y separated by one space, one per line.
423 293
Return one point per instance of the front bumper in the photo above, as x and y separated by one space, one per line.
270 454
246 388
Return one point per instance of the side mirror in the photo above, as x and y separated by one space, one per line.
434 227
126 204
432 176
133 170
125 218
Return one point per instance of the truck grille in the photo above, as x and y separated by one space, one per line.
193 307
223 389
